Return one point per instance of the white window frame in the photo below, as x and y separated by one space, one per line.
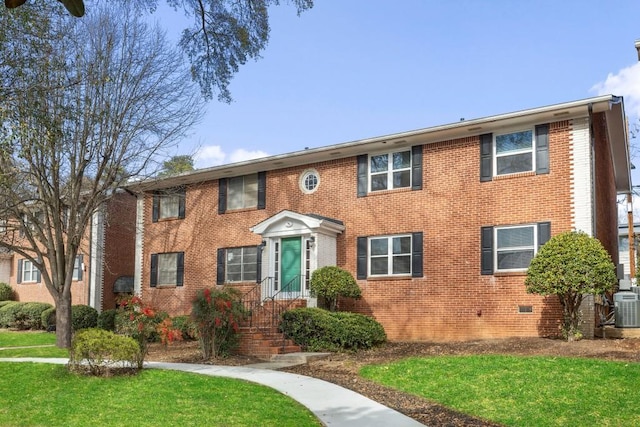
389 255
245 198
167 269
531 150
309 176
32 270
497 250
244 270
169 206
77 268
390 170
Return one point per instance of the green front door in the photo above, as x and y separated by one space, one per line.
291 263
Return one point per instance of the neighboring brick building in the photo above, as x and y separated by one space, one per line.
106 253
438 225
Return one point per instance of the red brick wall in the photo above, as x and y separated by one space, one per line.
119 244
453 301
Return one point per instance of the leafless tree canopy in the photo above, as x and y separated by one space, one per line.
85 105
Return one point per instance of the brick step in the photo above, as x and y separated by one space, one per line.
264 345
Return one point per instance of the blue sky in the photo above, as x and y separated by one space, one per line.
352 69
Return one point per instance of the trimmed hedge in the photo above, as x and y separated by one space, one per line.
6 292
103 353
23 315
83 317
107 320
48 318
320 330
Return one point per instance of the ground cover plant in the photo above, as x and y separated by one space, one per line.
151 398
520 391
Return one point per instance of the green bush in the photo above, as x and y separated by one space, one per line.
48 318
217 312
107 320
22 315
329 283
83 317
316 329
103 353
6 292
8 312
186 326
571 265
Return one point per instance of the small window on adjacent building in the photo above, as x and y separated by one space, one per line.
27 272
390 170
77 268
167 269
309 181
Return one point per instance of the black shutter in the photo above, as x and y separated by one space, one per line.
80 258
156 208
486 250
181 202
180 269
486 157
542 149
154 271
262 189
363 160
363 243
222 195
259 264
416 255
220 267
19 278
544 233
416 167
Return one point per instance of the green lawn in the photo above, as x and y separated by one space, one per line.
522 391
36 394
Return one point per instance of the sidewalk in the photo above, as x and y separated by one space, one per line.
332 404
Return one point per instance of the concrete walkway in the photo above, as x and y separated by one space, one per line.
332 404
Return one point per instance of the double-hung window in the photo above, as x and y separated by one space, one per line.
167 269
243 192
393 255
390 170
511 248
390 255
169 204
523 150
514 152
242 264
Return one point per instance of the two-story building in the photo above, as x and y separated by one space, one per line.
438 225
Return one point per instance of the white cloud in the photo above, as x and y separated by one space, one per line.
241 155
212 155
626 83
209 155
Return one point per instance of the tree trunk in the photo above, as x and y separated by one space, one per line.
63 321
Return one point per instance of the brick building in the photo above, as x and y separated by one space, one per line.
438 225
106 254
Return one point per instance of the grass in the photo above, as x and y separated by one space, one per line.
36 394
10 339
521 391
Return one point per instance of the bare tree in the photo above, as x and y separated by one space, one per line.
85 105
223 35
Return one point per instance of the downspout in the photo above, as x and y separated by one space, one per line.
592 171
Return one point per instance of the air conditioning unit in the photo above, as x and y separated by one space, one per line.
627 309
636 290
